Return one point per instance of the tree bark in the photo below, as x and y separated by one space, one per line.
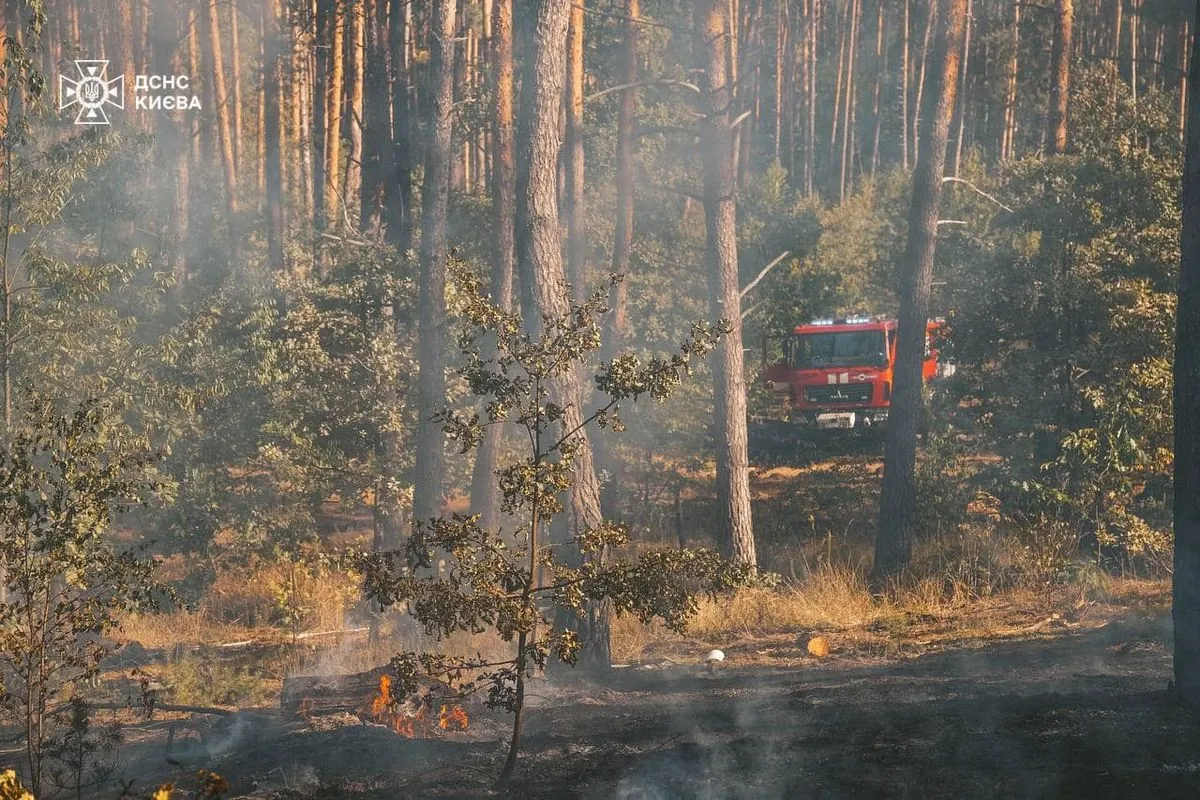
576 233
431 381
894 534
1060 75
376 121
235 83
539 259
399 198
224 132
484 496
1186 579
274 54
733 474
356 43
331 215
905 71
1008 138
961 108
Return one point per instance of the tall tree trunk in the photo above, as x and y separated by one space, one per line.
931 13
961 109
1060 75
897 505
618 321
431 381
880 69
334 86
224 132
810 148
576 230
356 43
729 388
539 259
1008 138
1184 40
377 119
851 93
399 196
484 499
1185 608
274 53
235 85
905 71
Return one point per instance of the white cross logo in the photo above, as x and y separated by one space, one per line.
92 92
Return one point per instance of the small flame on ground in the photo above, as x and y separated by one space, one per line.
383 710
452 715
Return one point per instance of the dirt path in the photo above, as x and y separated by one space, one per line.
1078 715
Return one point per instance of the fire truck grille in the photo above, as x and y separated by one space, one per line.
843 393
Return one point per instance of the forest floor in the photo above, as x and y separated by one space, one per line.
1066 704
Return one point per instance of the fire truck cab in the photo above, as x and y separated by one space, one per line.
837 373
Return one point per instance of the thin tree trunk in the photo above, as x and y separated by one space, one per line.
1185 608
1184 40
905 71
377 119
334 86
224 132
484 499
235 81
962 93
897 507
1008 138
851 93
880 69
810 149
399 197
356 43
1060 75
576 229
618 321
1134 25
431 381
274 54
733 486
918 104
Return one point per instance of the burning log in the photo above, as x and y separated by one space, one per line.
369 696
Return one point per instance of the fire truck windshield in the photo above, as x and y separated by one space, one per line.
838 349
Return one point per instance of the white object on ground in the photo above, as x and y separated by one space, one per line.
715 655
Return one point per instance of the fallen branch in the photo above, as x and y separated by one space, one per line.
171 707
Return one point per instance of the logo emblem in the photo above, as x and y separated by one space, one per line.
92 92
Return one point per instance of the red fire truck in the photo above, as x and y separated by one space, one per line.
837 373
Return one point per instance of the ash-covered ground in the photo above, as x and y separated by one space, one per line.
1065 713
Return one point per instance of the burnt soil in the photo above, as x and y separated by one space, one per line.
1076 713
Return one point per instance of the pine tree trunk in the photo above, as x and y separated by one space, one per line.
356 43
431 381
274 53
1184 40
235 85
961 109
1186 578
484 498
880 69
334 85
224 132
897 506
1060 75
399 194
733 485
905 71
1008 139
377 119
850 98
919 102
618 321
576 230
539 260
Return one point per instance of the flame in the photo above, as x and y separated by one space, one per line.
384 710
452 715
379 705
